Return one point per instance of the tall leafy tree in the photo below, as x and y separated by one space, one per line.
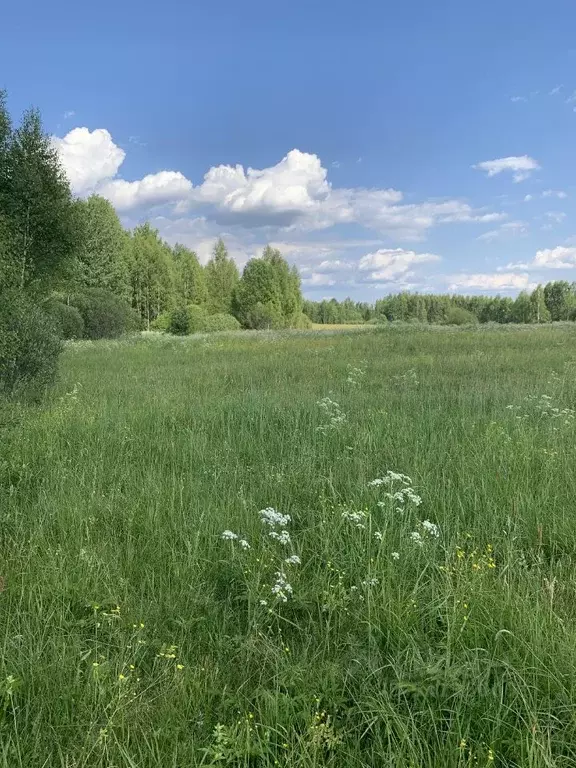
258 299
287 281
540 313
190 277
151 274
559 299
103 259
36 207
221 279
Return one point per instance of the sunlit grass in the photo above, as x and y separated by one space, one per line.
134 634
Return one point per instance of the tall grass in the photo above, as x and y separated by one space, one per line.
135 636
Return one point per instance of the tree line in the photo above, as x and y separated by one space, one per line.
69 269
553 301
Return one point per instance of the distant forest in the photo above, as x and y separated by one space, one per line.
554 301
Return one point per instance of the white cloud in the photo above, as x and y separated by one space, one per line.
68 114
507 230
88 157
555 91
527 198
387 265
293 195
500 281
555 216
154 189
559 193
518 98
560 257
520 166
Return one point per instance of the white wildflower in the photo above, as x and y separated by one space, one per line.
271 517
283 537
378 535
396 555
263 603
431 528
417 538
370 583
282 589
229 535
293 560
244 544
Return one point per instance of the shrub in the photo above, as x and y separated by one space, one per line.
196 318
378 320
179 322
161 323
300 321
459 316
221 322
262 317
105 315
29 347
67 319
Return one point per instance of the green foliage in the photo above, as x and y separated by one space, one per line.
268 294
161 322
105 315
151 274
29 347
196 318
179 322
190 285
220 322
221 280
103 258
67 319
40 222
460 316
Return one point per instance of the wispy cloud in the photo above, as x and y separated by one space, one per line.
67 115
520 166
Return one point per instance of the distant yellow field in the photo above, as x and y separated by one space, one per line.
338 326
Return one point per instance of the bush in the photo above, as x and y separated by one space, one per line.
179 322
105 315
459 316
262 317
67 320
196 318
221 322
29 347
378 320
161 323
300 321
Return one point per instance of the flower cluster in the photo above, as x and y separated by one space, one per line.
356 374
334 415
231 536
273 519
400 495
427 530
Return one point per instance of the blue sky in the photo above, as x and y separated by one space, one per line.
418 145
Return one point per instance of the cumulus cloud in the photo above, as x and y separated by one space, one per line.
499 281
154 189
520 166
293 195
560 257
88 157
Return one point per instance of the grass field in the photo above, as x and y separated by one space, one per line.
134 635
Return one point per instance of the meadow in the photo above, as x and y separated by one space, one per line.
294 549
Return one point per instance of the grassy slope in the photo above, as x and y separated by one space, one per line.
113 501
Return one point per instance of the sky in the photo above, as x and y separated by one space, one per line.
382 146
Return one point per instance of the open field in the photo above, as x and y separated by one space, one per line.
135 636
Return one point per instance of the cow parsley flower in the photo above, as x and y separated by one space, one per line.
417 538
395 555
431 528
282 589
272 518
229 535
282 538
244 544
293 560
378 535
